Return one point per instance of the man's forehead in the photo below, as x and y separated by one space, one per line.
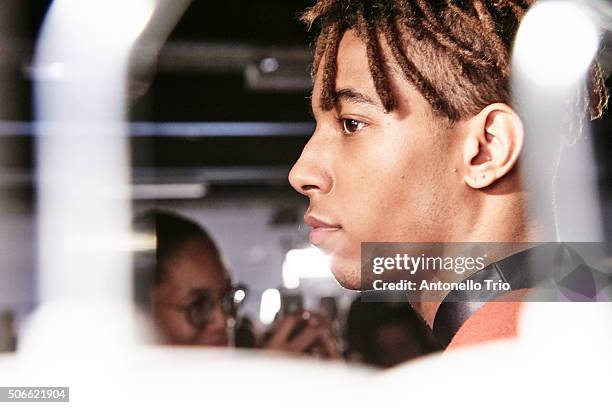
352 72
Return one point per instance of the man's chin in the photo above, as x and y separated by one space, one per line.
347 273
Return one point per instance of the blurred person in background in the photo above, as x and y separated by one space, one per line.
184 282
386 334
418 139
185 287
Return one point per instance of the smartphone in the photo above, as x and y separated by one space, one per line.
292 303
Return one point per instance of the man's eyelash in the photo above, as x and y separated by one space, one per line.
342 122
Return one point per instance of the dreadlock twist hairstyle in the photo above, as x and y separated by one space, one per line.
472 37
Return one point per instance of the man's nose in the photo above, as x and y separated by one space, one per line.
309 174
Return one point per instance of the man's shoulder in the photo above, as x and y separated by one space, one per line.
492 321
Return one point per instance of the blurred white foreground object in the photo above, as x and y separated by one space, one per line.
556 42
553 51
80 70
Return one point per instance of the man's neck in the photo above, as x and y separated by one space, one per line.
505 226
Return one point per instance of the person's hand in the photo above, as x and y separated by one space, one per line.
303 333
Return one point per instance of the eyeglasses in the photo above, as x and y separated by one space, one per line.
201 308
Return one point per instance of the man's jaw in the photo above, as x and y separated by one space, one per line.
328 237
346 272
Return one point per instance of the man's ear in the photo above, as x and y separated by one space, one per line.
492 146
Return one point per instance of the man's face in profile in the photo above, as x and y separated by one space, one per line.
372 175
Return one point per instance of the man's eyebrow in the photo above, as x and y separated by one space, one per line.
351 95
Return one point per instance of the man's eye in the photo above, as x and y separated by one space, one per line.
350 126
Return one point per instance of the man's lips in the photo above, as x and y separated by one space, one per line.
320 229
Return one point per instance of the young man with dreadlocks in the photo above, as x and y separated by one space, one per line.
418 140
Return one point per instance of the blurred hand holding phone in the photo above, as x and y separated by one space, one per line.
297 330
